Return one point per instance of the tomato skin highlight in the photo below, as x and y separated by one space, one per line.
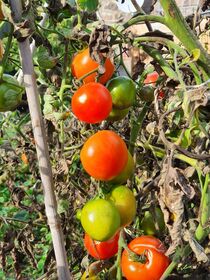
82 64
104 155
123 92
101 250
92 103
100 219
155 264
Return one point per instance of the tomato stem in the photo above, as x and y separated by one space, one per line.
136 127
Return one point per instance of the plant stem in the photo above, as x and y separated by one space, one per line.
42 150
136 126
142 18
155 54
174 19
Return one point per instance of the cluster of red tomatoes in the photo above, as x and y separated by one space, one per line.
103 218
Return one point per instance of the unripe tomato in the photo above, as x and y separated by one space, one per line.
104 155
117 115
10 93
92 103
124 200
147 93
149 220
123 92
100 219
156 262
101 250
126 173
82 64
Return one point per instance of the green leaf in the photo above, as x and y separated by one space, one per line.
44 60
88 5
22 215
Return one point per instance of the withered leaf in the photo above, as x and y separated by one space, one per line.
99 46
196 247
174 189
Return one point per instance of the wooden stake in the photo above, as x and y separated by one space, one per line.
42 149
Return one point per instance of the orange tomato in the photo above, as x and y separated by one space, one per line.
104 155
82 64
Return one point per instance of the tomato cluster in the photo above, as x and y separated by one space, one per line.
93 102
147 91
104 156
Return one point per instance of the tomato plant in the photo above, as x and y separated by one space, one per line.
104 155
149 220
124 200
100 219
82 64
155 264
123 91
91 103
101 250
126 173
10 93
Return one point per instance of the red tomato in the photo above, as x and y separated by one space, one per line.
151 78
101 250
104 155
92 103
156 262
82 64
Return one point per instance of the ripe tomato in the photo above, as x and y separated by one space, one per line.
117 115
82 64
123 91
126 173
101 250
100 219
149 220
92 103
10 93
151 78
156 262
104 155
124 200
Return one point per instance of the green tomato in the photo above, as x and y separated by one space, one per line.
126 173
147 93
10 93
123 91
124 200
117 115
149 220
100 219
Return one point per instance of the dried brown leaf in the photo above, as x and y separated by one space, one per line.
174 189
196 247
100 47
